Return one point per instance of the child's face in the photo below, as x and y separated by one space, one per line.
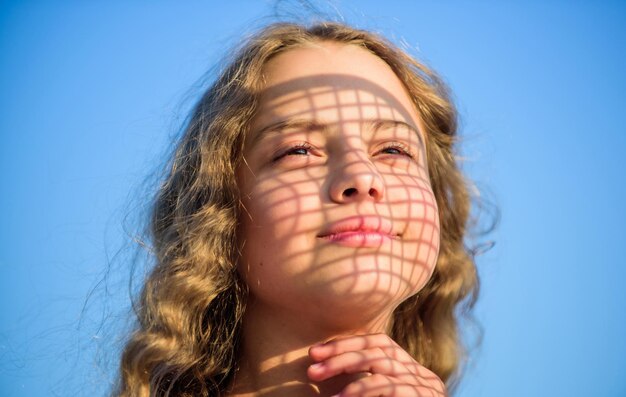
340 219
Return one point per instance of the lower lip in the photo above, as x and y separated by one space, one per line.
359 239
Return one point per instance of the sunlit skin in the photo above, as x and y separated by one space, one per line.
339 226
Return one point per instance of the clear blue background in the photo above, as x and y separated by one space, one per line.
91 92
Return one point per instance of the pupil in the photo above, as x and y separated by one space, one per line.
299 151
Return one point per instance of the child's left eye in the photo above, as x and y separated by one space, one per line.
397 149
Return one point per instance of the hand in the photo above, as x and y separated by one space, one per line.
391 370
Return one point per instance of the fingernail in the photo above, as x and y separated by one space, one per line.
317 366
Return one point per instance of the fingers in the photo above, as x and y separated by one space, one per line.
358 343
382 386
374 360
392 371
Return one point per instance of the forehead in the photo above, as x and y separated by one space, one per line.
328 58
332 82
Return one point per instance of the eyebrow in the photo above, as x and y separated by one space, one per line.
382 123
277 127
313 125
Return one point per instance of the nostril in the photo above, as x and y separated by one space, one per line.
349 192
373 193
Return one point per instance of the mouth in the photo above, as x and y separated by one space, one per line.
360 231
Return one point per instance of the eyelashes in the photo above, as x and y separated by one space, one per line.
395 149
298 149
305 149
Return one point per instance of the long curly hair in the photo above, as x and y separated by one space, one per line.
191 306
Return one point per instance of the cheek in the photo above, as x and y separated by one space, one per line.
425 216
279 217
415 202
282 208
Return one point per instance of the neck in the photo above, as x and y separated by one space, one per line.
274 357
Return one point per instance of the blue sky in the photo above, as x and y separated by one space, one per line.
93 92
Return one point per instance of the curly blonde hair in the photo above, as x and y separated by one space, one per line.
191 306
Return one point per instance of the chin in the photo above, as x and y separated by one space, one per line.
376 275
364 291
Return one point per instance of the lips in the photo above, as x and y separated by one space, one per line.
360 231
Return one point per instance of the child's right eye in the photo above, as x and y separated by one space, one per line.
301 149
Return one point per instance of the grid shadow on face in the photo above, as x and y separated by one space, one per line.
320 156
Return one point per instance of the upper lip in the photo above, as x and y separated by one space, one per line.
373 224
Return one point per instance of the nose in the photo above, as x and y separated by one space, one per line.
356 179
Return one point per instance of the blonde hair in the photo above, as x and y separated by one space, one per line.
191 306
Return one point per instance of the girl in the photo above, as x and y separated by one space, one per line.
309 233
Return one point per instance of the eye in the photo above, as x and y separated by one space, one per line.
395 149
300 149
